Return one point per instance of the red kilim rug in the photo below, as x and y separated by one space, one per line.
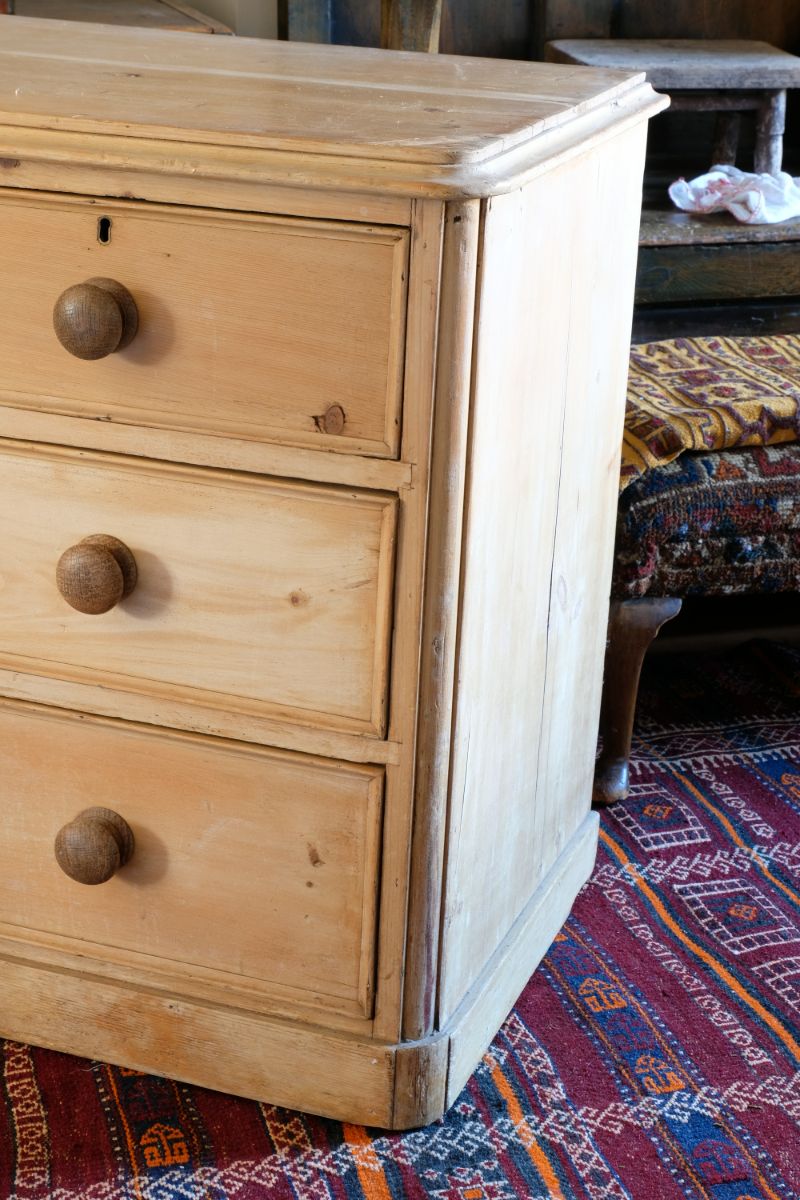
654 1055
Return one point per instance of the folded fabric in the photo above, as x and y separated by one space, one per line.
753 199
709 393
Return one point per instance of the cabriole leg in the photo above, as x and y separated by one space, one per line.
632 626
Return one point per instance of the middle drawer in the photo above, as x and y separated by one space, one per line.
265 597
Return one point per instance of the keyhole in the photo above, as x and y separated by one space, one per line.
104 230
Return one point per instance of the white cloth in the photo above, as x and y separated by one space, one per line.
754 199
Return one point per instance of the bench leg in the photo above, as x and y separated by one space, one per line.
632 626
770 124
726 138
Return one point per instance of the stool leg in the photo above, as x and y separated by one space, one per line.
770 124
726 138
632 625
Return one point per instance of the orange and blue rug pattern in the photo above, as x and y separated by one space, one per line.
655 1055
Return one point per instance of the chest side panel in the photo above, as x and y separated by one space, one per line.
553 329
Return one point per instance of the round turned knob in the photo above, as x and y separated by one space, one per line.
95 318
96 574
94 846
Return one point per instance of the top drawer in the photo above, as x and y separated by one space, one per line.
252 327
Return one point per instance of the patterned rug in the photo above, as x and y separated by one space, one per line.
711 524
709 393
655 1054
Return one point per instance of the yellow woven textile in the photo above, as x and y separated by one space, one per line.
709 393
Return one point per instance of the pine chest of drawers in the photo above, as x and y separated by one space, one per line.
312 365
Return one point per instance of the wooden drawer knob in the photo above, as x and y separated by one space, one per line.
96 574
94 846
95 318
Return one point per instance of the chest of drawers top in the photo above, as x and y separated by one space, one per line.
330 117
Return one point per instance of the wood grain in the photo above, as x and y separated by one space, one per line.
668 227
231 871
298 1066
420 1082
774 21
555 19
366 124
85 167
505 582
537 544
249 326
128 967
507 35
361 452
440 631
96 574
94 845
261 458
588 492
687 63
411 25
246 177
496 989
669 274
215 715
413 519
464 30
262 596
95 318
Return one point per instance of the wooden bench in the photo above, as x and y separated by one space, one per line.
726 77
689 259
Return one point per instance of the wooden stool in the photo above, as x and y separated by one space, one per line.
726 77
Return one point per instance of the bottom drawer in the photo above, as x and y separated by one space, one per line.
255 867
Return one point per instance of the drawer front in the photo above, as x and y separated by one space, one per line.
259 328
266 598
258 866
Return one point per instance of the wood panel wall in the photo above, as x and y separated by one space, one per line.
776 21
494 28
519 28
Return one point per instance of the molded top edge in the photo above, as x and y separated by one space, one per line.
422 116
